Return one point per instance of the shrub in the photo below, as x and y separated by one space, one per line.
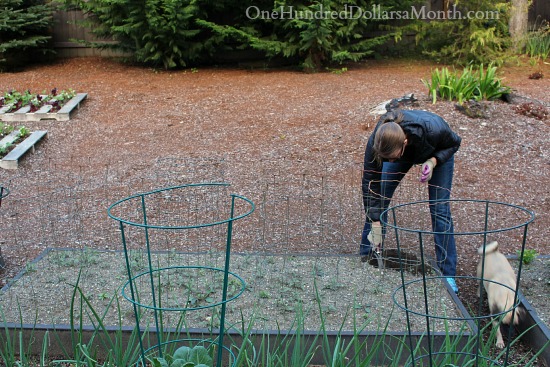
24 31
478 40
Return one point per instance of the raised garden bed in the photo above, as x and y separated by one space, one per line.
11 159
58 268
276 285
25 114
45 111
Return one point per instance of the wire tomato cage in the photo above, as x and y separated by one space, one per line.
176 216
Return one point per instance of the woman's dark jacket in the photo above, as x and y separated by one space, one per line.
428 135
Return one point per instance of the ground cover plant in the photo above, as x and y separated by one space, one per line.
531 109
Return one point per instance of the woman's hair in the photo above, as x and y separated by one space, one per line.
389 136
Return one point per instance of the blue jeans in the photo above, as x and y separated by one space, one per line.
439 189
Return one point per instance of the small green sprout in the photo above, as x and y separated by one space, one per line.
24 132
528 256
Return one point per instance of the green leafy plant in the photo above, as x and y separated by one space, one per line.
197 356
489 86
338 71
537 44
5 148
15 100
117 349
5 129
482 84
13 350
24 132
450 86
529 256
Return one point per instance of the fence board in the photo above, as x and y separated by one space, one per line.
539 12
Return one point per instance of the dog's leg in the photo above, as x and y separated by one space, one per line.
377 253
500 341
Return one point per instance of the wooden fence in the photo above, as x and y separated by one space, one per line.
66 32
538 12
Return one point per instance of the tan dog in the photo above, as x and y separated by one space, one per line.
497 269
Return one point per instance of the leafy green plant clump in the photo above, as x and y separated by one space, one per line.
461 39
5 129
55 98
197 356
16 100
529 256
537 45
471 84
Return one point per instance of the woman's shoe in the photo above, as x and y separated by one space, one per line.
452 284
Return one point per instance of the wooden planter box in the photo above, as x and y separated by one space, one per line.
537 334
43 113
11 160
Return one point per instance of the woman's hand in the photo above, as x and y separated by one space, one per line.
428 169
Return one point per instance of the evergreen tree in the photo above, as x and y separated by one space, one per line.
315 33
24 28
155 32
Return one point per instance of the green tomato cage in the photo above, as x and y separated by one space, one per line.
175 219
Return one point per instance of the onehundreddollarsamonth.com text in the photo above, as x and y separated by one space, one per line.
376 12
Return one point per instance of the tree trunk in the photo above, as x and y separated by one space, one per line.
518 22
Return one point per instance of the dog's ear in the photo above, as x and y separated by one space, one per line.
491 247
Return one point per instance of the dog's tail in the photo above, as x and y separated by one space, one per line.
492 247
